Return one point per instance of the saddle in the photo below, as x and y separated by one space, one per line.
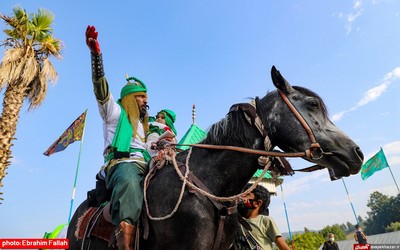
92 223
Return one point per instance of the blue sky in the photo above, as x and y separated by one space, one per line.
212 54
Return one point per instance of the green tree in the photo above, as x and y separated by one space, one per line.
25 71
394 226
335 229
307 240
384 211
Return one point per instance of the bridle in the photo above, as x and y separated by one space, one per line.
314 152
252 116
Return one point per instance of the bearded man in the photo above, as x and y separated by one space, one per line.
125 125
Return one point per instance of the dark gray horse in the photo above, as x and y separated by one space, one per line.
297 124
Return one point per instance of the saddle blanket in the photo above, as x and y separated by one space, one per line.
92 223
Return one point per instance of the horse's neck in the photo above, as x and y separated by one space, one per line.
224 172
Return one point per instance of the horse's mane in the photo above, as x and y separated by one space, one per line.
231 130
234 129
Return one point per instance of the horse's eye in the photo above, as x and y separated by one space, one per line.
313 104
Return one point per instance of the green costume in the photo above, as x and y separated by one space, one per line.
170 118
127 164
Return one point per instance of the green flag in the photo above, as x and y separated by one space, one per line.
376 163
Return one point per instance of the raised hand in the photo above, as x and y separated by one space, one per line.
91 40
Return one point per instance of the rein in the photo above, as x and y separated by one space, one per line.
187 182
251 114
246 150
314 152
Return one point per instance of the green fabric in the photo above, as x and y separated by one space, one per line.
259 172
56 231
155 129
123 134
144 152
375 163
123 138
170 118
125 181
101 90
133 87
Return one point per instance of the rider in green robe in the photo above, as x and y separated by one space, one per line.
125 125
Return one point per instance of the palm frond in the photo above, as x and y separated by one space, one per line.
17 71
20 14
5 70
48 71
13 55
50 46
12 33
37 91
26 63
31 69
41 22
19 22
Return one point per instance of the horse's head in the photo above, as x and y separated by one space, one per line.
300 123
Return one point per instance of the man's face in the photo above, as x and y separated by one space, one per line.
247 205
249 198
141 101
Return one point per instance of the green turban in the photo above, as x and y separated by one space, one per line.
170 118
133 87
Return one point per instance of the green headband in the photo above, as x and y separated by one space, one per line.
133 87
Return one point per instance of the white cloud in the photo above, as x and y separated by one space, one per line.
392 153
351 17
373 93
338 116
304 184
392 148
357 4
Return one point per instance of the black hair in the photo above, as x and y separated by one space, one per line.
263 194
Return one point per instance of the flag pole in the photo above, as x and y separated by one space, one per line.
287 217
76 172
390 169
348 196
393 178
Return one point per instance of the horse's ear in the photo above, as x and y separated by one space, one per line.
280 82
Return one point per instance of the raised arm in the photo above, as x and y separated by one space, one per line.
100 85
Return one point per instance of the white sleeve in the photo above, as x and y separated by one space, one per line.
153 137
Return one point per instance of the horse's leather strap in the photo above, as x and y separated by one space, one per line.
223 210
314 143
310 169
251 115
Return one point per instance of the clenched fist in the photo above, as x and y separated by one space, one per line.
91 40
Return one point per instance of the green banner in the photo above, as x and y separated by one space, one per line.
375 163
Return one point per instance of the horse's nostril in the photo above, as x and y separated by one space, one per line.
359 153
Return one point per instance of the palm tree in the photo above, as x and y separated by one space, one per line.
24 71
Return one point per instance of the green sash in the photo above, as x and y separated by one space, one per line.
123 138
